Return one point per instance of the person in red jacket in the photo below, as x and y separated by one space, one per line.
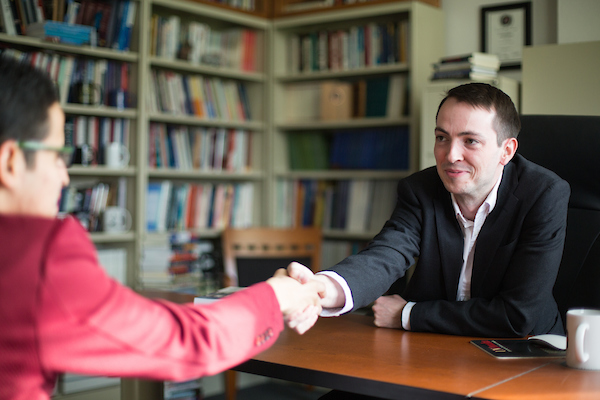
60 312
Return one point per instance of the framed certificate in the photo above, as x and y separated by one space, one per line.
505 30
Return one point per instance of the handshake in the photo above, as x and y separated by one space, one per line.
302 295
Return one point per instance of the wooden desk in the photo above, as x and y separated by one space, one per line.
553 381
350 353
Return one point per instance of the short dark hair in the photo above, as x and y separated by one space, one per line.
482 95
26 94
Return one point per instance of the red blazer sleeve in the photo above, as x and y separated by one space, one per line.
90 324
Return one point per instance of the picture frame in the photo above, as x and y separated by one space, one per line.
505 30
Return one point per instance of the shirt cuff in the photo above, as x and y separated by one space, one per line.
406 315
334 312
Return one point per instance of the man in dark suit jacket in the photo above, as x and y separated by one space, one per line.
485 227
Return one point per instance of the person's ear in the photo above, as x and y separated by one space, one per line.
12 163
509 148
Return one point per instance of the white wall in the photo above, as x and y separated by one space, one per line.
578 21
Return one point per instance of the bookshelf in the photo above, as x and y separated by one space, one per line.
261 119
301 71
55 56
283 8
216 146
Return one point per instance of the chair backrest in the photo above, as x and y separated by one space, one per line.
569 145
252 255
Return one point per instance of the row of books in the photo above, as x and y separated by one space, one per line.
381 97
369 149
186 390
197 95
198 43
174 206
96 133
291 6
107 81
346 205
475 66
358 46
17 14
208 149
111 21
87 200
377 148
334 251
246 5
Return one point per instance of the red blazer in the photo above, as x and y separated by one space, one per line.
60 312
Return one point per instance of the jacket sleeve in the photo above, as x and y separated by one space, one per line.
515 298
90 324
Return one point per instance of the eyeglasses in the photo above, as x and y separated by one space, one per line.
64 153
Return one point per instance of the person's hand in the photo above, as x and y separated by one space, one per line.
333 296
298 302
388 311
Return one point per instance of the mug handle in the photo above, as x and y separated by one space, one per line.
581 355
128 220
124 153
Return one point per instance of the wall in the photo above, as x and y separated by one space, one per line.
553 22
578 21
463 33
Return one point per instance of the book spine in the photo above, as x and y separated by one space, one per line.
8 21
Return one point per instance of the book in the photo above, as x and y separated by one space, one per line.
377 96
8 21
302 102
475 58
396 101
516 348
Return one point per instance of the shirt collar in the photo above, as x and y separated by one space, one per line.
488 204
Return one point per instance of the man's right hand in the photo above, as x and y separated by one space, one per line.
333 297
298 302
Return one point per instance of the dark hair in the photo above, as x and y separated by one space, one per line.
481 95
26 94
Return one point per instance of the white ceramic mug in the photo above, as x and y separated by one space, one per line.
116 219
583 335
116 155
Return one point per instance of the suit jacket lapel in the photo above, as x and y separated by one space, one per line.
494 229
450 242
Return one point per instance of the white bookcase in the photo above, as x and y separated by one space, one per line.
423 45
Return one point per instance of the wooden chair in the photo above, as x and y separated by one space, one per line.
254 254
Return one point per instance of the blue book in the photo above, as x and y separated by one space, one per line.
152 205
